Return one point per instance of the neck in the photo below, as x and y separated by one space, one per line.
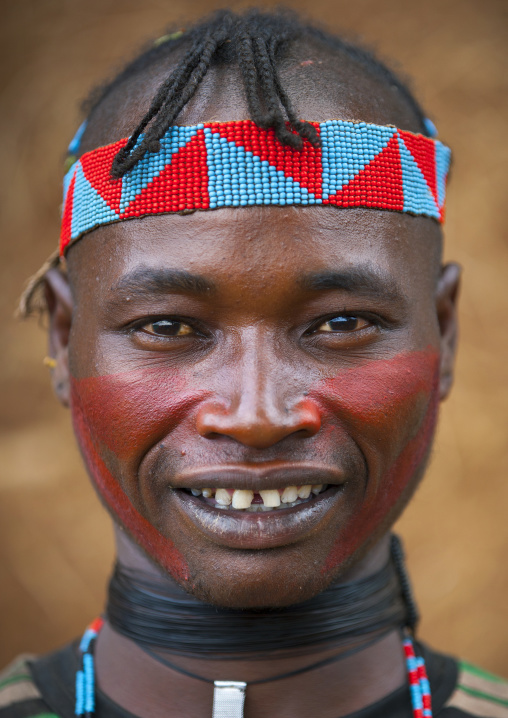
146 687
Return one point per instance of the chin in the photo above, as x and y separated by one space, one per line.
271 578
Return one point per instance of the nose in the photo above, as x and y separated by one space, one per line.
260 409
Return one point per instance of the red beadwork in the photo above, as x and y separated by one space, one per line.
185 180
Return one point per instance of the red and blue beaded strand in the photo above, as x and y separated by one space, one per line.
85 677
418 681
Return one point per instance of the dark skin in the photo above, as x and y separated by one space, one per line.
255 379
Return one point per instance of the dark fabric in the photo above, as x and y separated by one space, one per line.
53 676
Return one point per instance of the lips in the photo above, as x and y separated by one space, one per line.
273 475
258 508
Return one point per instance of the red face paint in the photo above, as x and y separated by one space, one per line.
118 418
389 407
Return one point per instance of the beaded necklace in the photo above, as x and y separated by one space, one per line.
229 696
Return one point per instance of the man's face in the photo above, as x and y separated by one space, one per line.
256 349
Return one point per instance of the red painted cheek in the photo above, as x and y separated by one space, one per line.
390 408
125 414
129 410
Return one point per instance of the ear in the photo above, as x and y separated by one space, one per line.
60 308
446 308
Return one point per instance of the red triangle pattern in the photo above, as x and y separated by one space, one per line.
379 184
65 230
304 166
97 170
424 153
183 184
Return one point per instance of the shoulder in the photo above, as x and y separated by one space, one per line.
19 696
477 693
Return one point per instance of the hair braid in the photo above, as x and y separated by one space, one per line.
398 558
304 129
245 54
130 155
173 94
257 45
274 116
179 99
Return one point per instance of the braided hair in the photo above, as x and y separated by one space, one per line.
253 41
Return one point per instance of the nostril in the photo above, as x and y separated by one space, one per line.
258 428
308 417
212 419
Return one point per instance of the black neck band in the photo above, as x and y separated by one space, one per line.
141 609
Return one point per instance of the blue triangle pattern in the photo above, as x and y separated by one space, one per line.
417 195
347 148
239 178
153 163
89 209
443 158
67 180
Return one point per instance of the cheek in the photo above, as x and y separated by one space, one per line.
117 418
382 395
129 411
390 409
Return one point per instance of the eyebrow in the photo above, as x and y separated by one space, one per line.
148 280
362 281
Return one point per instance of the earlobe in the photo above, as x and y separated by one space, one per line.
60 309
446 309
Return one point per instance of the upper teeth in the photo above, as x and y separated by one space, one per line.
272 498
222 497
242 498
290 494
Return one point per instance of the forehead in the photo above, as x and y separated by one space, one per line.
263 246
321 84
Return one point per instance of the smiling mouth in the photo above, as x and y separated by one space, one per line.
270 499
258 506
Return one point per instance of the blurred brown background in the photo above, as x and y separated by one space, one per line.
55 540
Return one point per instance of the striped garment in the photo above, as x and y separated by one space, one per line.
19 696
479 693
460 690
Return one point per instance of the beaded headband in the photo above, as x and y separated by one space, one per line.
238 164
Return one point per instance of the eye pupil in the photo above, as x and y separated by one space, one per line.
167 328
343 324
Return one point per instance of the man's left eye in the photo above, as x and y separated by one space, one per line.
167 328
343 324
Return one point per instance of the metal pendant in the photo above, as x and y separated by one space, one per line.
228 699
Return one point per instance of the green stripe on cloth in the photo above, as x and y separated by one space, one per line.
15 679
484 683
18 669
18 692
473 706
484 696
470 668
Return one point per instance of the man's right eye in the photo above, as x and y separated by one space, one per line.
167 328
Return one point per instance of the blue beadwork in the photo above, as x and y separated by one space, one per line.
75 143
238 164
430 127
